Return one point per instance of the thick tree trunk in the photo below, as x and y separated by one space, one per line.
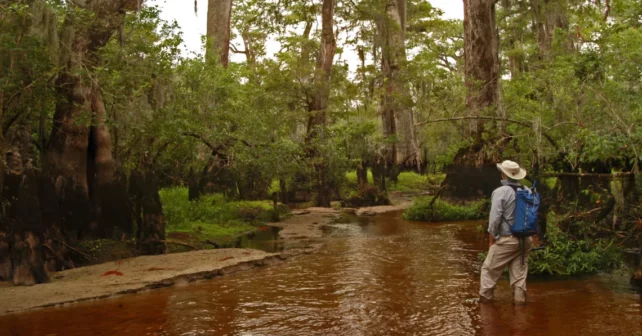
5 258
548 16
193 189
10 191
27 255
79 157
284 194
135 190
379 173
151 233
396 105
67 154
473 174
481 43
362 173
52 219
319 104
219 15
109 196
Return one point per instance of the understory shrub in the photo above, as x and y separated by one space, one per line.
421 210
565 255
366 195
406 181
568 255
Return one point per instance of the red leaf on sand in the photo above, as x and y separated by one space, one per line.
113 272
226 258
264 228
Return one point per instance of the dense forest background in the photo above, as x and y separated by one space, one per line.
100 110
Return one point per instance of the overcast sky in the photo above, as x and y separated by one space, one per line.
193 26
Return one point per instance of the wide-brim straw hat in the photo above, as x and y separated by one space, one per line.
512 170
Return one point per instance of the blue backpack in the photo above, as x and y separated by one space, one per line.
526 207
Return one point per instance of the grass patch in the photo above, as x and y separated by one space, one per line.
406 181
444 211
212 217
351 176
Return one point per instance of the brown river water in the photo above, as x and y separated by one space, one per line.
381 276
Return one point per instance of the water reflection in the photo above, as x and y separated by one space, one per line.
381 276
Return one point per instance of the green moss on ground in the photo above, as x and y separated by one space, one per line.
444 211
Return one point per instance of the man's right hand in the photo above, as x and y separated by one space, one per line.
492 240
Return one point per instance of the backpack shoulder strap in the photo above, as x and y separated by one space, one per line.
514 187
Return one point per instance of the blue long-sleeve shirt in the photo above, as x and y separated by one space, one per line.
502 205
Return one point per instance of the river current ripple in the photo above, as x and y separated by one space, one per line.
379 276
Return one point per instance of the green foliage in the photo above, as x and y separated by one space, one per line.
367 195
406 181
410 182
212 216
443 211
567 256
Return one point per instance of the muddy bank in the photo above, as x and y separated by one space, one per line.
131 276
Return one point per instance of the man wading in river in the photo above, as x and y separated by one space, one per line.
505 249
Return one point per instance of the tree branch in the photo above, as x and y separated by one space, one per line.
202 138
10 122
586 174
236 51
518 122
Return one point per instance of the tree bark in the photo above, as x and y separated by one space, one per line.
151 233
27 256
548 16
481 43
10 192
219 15
109 196
396 104
69 149
472 174
135 190
319 104
362 173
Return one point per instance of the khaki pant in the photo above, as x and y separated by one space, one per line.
506 252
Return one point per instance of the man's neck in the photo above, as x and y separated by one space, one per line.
507 182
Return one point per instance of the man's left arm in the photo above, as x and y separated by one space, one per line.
495 217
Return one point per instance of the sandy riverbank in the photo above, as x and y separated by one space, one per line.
301 233
131 276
